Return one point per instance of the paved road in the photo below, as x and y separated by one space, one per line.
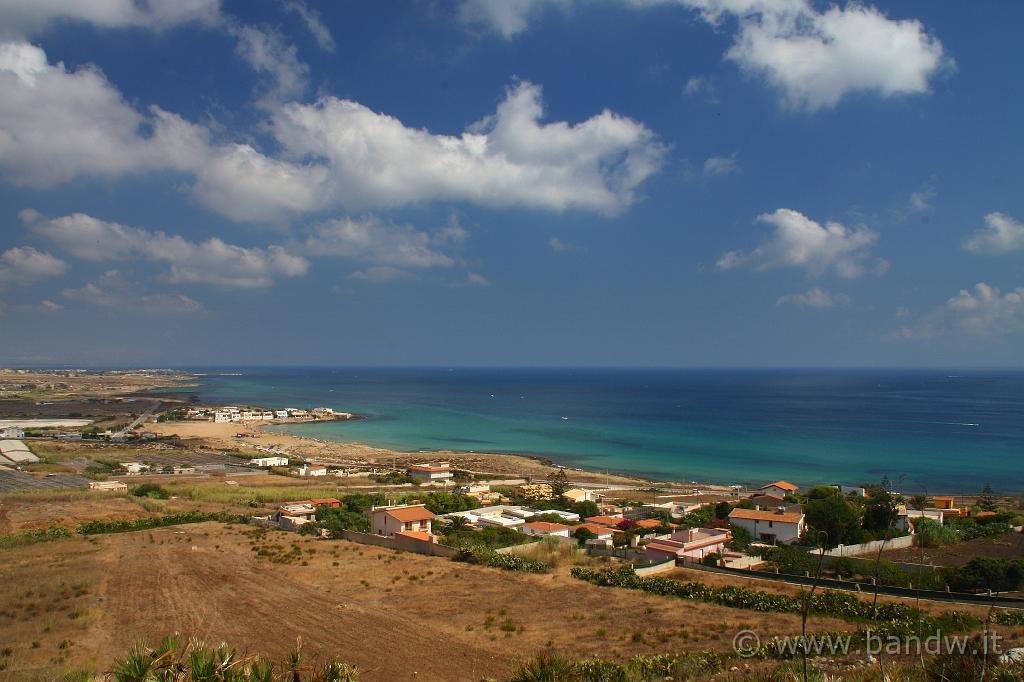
139 420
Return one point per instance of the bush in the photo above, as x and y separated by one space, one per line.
843 567
933 534
151 490
508 562
986 573
148 522
30 537
741 538
394 478
895 617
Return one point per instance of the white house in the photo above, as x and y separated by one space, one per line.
779 488
222 417
690 543
134 467
404 518
321 412
769 526
312 470
580 495
269 462
565 515
431 473
500 520
281 414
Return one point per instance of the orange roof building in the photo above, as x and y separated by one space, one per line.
387 521
547 528
769 526
783 486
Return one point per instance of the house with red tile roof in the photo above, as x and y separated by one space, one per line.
547 528
601 531
404 518
779 488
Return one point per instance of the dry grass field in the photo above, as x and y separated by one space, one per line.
74 604
78 602
1008 546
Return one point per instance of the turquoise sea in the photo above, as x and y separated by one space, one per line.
953 430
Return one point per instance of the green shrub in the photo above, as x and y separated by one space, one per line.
151 490
147 522
898 617
30 537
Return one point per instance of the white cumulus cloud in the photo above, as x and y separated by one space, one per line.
57 125
510 158
209 262
813 57
23 264
373 240
1001 234
982 311
798 241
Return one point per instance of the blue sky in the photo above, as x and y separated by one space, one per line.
531 182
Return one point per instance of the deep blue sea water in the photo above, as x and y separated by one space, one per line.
924 429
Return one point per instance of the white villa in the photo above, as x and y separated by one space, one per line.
269 461
431 473
777 526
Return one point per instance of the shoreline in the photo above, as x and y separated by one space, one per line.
342 453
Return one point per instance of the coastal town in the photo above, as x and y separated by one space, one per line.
209 490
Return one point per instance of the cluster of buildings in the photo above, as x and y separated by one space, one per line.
231 413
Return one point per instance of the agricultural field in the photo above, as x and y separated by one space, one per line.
81 601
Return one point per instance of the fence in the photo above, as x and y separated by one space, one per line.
398 542
652 569
866 588
872 547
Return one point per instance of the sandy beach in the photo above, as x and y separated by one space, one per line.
224 437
